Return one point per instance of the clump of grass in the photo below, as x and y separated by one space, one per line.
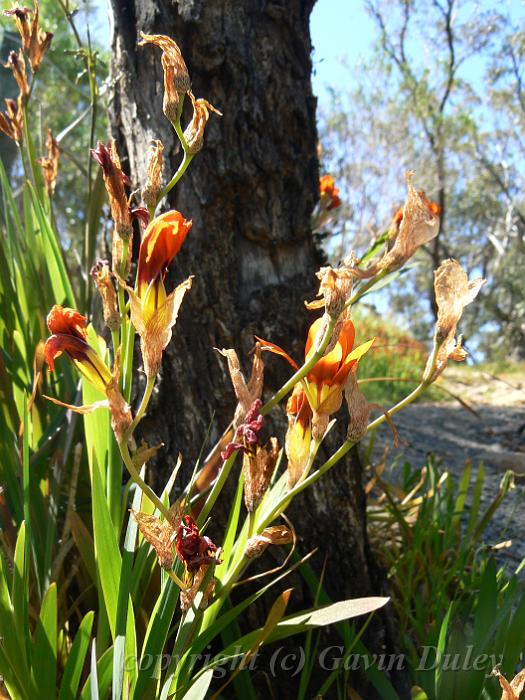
449 595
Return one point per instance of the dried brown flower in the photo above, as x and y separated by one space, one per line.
114 181
358 408
514 689
12 121
246 392
150 192
50 163
194 133
101 275
335 287
257 467
21 15
161 534
188 596
39 41
417 224
35 41
16 63
453 292
414 225
359 412
176 78
276 534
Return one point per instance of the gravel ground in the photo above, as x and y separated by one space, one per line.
495 436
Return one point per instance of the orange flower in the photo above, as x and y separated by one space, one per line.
323 385
69 335
153 312
329 193
161 242
319 394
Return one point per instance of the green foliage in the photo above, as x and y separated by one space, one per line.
458 614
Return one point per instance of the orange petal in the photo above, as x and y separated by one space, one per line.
68 321
162 241
88 408
272 347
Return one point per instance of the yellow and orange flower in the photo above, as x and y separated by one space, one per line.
69 335
161 242
153 312
329 193
319 394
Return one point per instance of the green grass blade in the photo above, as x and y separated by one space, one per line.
76 659
125 628
44 652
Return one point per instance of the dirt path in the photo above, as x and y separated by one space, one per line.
494 435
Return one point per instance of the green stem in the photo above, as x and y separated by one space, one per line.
148 491
176 579
216 489
125 379
31 156
186 160
143 404
232 578
252 520
116 343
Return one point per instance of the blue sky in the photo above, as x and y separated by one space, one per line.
340 29
342 33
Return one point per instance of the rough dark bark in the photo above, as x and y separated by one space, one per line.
250 193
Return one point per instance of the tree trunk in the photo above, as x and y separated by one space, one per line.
250 194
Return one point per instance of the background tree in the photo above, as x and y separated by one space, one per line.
441 96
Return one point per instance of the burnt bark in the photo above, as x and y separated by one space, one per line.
250 194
